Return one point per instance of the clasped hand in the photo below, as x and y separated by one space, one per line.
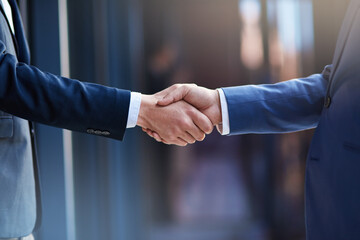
181 114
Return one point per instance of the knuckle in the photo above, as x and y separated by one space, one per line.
185 87
184 123
171 138
174 137
190 111
182 88
188 125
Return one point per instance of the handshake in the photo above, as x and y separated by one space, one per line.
181 114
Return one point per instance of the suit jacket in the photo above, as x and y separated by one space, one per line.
330 102
27 93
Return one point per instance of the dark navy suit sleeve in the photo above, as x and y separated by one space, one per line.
29 93
289 106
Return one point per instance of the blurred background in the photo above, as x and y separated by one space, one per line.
225 188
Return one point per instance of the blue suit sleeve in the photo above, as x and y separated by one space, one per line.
31 94
289 106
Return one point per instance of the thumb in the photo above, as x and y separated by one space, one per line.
174 96
167 100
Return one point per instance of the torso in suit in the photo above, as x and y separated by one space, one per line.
16 164
28 93
331 103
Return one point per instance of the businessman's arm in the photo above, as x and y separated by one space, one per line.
29 93
277 108
289 106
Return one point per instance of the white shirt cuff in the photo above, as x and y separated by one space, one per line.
134 108
8 13
224 127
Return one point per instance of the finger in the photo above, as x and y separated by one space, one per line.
153 135
174 96
157 137
196 133
167 143
181 142
202 122
149 132
166 91
188 138
146 130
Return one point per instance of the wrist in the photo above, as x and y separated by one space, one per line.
147 103
217 107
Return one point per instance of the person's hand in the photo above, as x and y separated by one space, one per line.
205 100
178 123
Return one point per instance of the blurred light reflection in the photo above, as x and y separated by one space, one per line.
252 50
291 35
